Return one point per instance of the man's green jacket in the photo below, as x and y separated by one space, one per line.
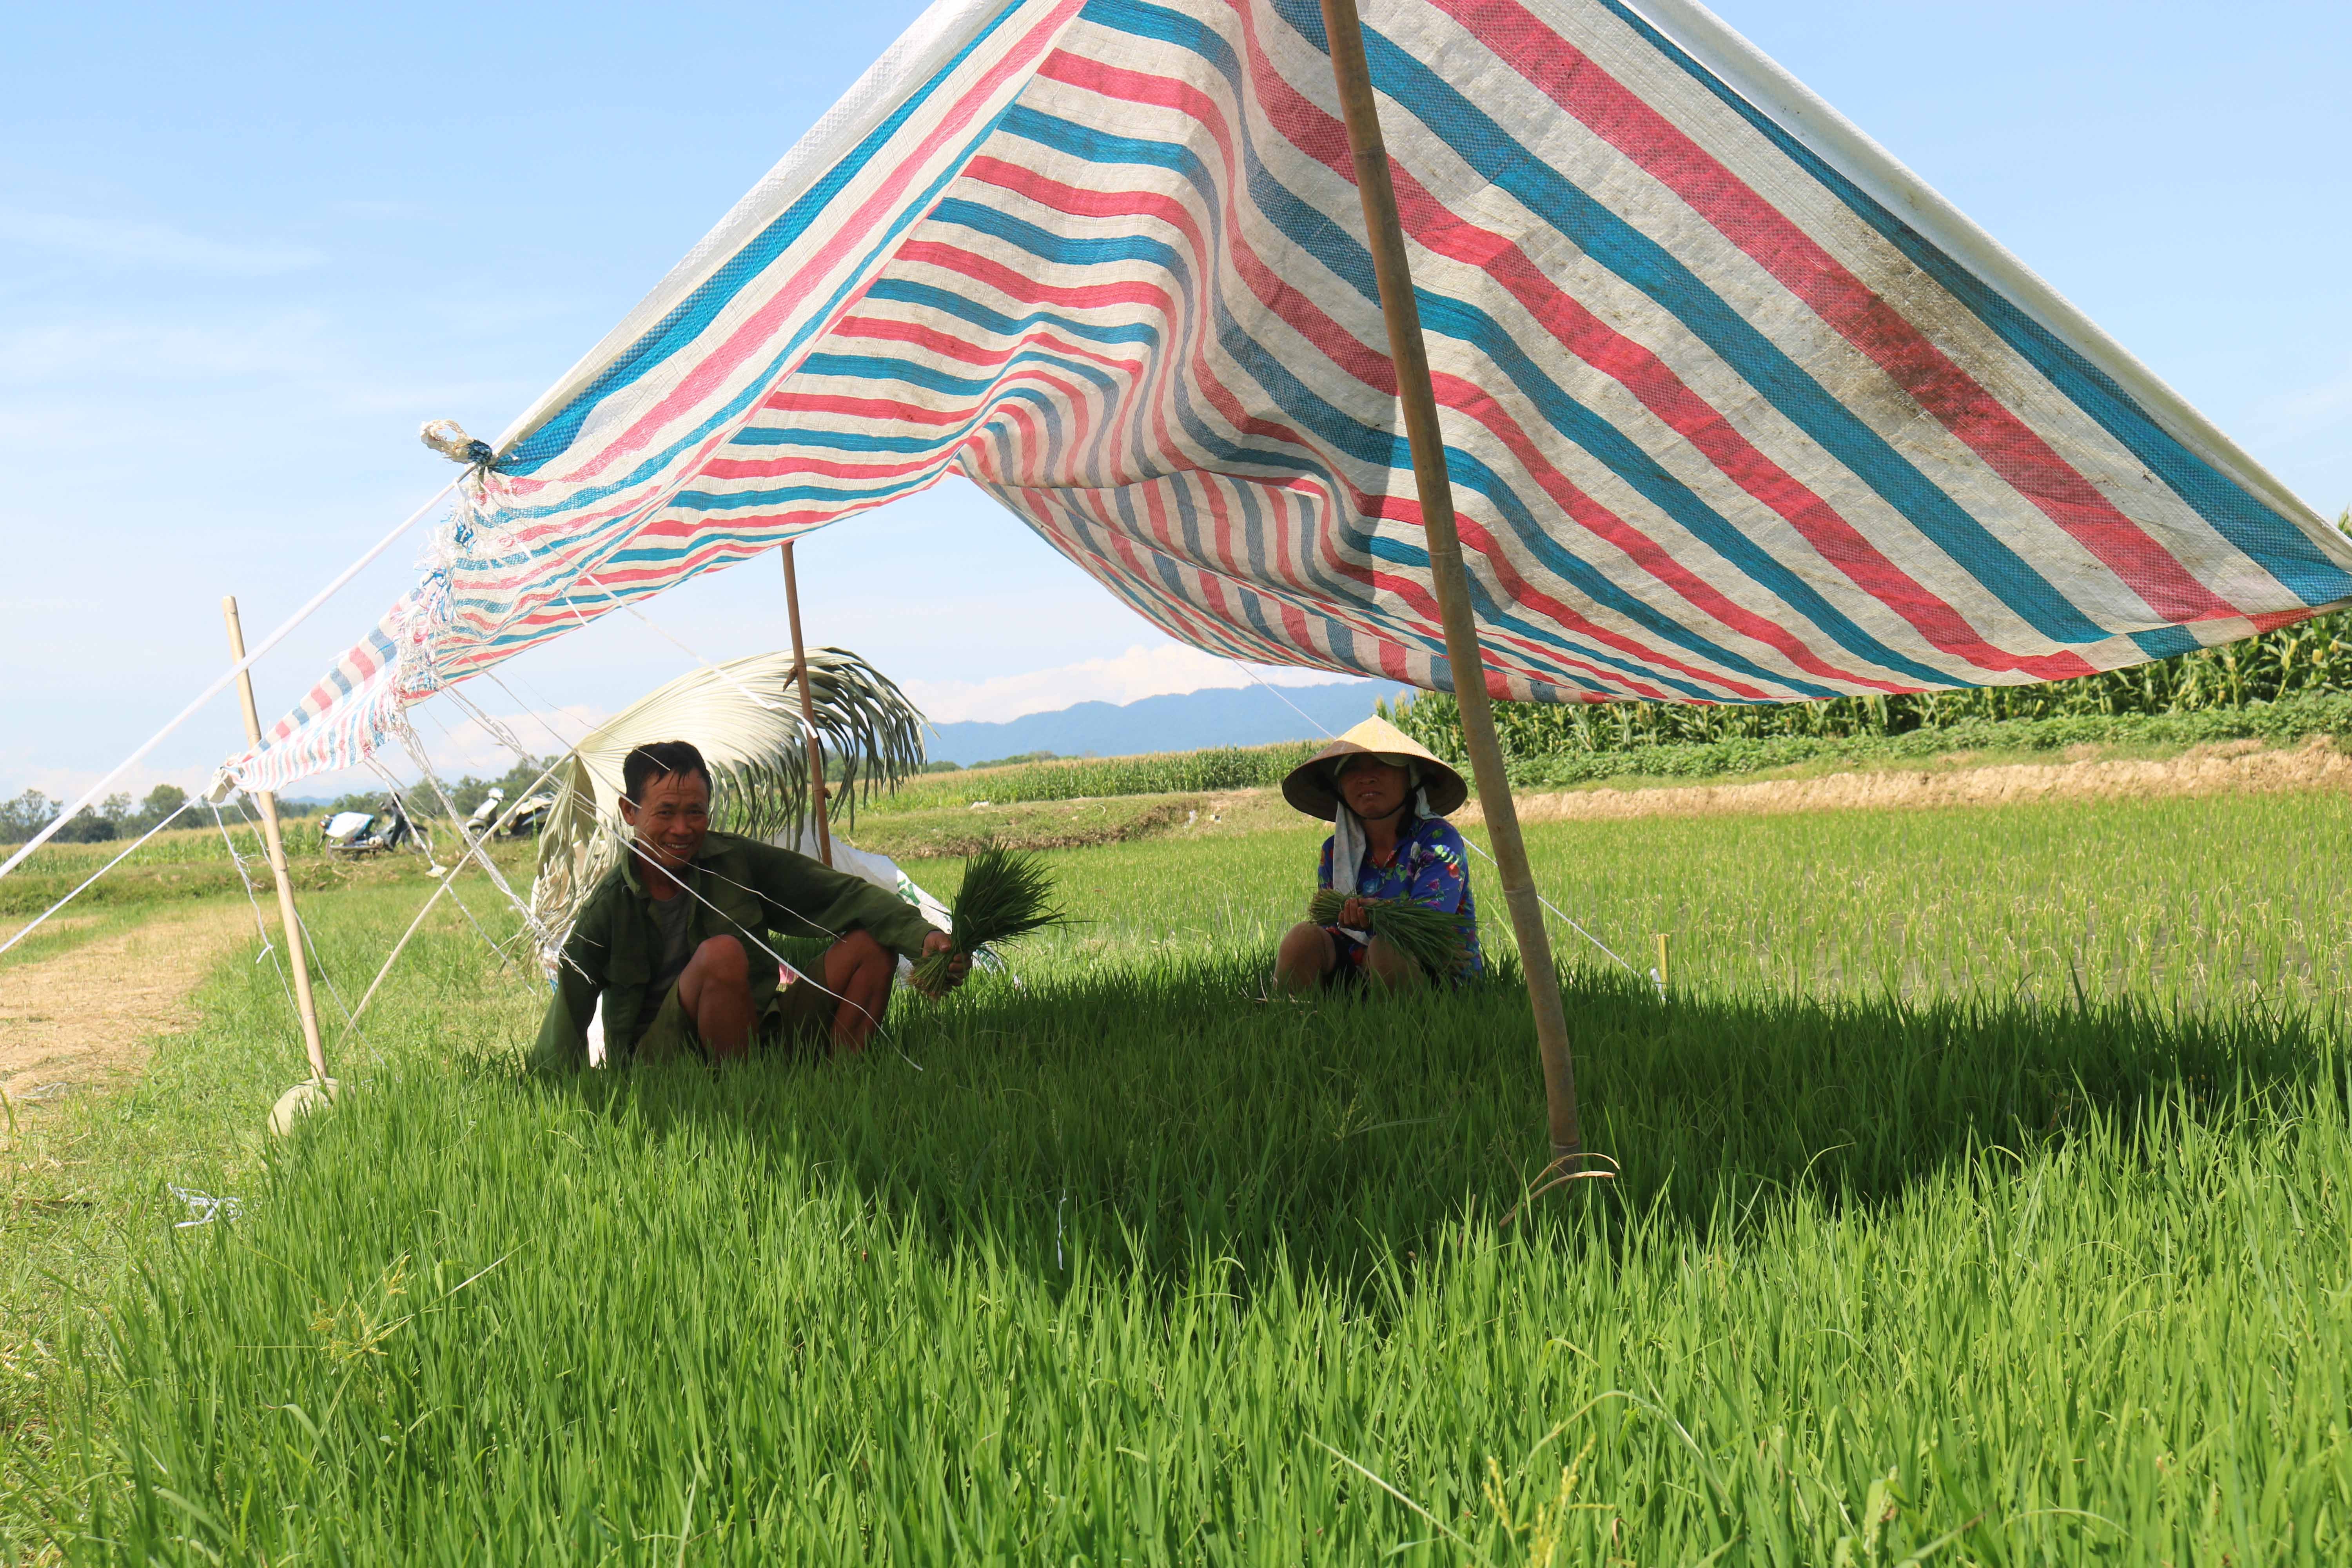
741 889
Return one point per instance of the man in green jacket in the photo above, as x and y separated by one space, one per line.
676 939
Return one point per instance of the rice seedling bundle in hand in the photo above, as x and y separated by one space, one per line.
1427 936
1007 894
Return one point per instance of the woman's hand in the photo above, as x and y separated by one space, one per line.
1354 913
958 967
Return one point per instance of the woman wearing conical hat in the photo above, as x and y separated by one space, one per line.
1386 798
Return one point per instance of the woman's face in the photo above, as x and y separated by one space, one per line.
1373 789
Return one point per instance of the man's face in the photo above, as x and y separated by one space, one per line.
671 818
1373 789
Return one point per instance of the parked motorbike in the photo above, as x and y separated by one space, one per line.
478 823
368 833
524 821
528 817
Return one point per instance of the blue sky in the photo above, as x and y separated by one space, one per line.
244 250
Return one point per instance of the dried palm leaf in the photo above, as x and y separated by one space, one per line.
744 716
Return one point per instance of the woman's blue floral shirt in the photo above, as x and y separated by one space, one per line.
1431 867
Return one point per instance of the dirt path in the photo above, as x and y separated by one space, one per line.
88 1017
2237 767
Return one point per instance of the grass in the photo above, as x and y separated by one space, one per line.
1956 1222
1161 772
186 864
1039 825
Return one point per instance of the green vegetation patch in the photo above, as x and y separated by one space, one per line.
1164 773
1982 1196
1043 824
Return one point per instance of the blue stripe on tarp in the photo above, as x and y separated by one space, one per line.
693 315
757 387
2271 542
1717 322
1316 235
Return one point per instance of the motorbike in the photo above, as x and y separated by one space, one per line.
527 817
369 833
478 822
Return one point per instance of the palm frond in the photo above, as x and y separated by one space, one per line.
745 718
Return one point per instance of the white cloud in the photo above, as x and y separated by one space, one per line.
1167 669
470 747
129 243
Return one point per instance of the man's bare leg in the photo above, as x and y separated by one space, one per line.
715 992
1305 957
858 969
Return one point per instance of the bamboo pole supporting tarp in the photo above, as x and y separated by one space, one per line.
297 953
808 711
1410 356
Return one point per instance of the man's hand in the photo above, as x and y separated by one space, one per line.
958 967
1352 914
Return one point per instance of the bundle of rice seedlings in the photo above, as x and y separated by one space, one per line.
1427 936
1007 895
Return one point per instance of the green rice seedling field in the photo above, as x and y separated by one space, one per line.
1979 1199
1158 773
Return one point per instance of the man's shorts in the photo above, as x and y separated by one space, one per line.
798 1019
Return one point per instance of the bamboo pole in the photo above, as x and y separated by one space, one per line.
1410 355
808 711
295 953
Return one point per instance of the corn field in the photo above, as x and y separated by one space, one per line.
2306 660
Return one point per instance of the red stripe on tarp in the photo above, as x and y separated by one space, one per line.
1433 225
2004 442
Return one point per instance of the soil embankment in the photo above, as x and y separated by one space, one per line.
2236 768
90 1017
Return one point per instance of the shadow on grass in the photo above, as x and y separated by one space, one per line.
1175 1118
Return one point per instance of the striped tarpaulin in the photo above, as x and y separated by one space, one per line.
1736 410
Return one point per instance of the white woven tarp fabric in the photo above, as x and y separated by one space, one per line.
1736 410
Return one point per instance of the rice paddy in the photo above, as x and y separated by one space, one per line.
1981 1198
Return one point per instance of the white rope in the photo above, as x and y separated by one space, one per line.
562 745
631 845
319 967
424 762
268 948
1474 848
473 846
94 876
628 842
418 754
259 925
790 711
215 689
397 949
494 728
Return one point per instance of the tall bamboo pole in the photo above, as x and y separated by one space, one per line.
290 923
1411 357
808 711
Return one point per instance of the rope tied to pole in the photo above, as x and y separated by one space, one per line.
448 437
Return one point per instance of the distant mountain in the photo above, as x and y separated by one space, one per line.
1250 716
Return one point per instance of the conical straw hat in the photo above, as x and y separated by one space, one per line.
1309 786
